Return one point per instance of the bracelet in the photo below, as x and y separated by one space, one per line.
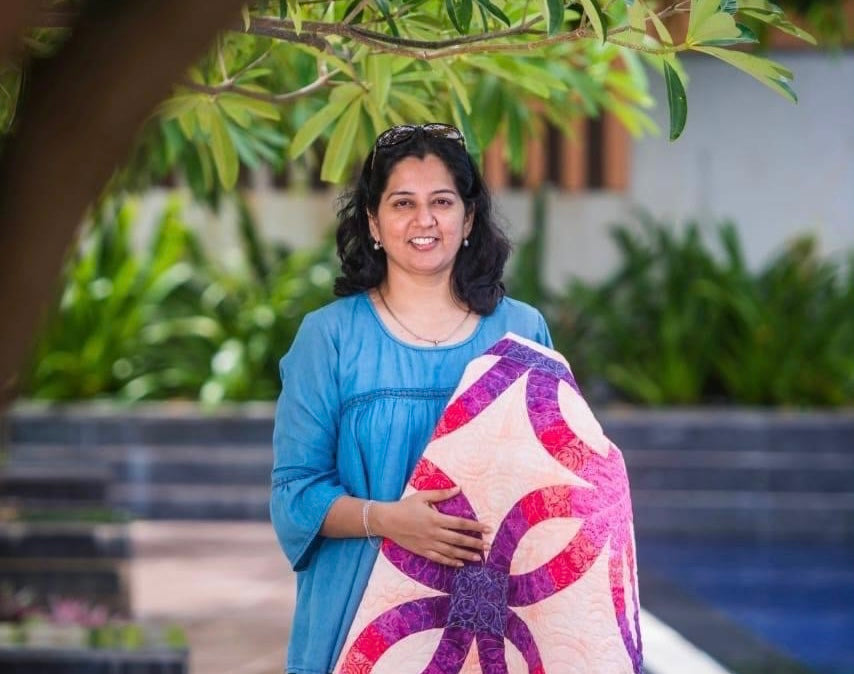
373 540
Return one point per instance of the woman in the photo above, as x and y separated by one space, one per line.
368 376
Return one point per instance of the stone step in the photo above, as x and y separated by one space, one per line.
745 470
732 430
747 514
171 423
187 452
685 429
194 502
20 540
648 469
54 484
227 464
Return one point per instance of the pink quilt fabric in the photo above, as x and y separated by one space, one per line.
557 593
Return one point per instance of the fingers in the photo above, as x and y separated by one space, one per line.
438 557
452 555
437 495
465 541
449 521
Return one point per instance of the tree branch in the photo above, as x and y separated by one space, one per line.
270 27
231 87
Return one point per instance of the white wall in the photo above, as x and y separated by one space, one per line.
776 168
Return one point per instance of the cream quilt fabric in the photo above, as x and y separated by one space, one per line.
557 592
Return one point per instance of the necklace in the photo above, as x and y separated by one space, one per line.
434 342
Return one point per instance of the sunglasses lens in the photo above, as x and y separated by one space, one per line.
395 135
443 131
399 134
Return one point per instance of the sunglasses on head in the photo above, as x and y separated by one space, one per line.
403 132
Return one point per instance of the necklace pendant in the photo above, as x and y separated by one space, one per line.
435 342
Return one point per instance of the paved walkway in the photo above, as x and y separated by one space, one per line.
229 586
226 583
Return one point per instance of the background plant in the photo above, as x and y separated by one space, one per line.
93 342
170 320
229 345
681 322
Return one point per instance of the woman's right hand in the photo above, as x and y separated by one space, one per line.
415 524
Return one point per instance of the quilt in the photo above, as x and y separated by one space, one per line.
557 592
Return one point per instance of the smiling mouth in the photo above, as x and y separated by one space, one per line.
423 240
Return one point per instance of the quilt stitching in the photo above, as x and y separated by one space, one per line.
476 606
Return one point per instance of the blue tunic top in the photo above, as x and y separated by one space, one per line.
357 408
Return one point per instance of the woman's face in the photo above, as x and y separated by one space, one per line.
421 219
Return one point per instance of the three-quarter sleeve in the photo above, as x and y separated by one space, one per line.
305 479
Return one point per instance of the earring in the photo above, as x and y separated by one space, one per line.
377 245
466 242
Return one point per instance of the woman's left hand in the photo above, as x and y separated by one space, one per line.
415 524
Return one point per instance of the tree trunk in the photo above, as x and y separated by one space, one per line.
81 111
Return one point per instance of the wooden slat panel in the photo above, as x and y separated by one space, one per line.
574 151
617 149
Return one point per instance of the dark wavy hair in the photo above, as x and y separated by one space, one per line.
478 268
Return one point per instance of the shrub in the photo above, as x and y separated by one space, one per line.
678 323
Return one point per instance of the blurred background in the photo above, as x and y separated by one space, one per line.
702 289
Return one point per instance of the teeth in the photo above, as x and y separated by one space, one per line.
423 240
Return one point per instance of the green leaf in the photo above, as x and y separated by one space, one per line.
701 11
263 109
510 71
495 11
253 74
350 7
515 140
415 108
245 151
637 13
460 13
295 14
385 10
745 36
596 17
636 121
223 151
247 20
780 23
660 28
464 123
717 27
204 115
323 118
378 120
178 105
771 74
553 11
456 84
677 101
235 110
378 69
341 144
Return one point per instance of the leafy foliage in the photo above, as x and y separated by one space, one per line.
313 83
170 321
679 324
